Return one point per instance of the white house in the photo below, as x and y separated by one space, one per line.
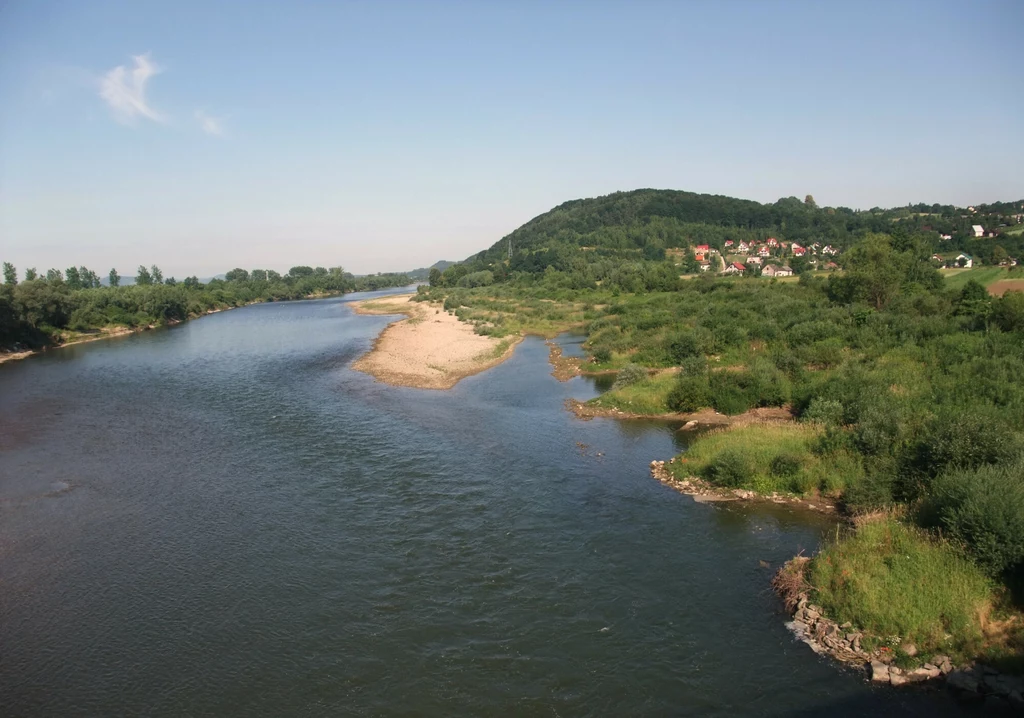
754 259
772 271
829 249
968 260
734 268
979 231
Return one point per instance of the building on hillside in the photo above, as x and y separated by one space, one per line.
742 247
964 260
728 243
764 251
705 266
772 242
979 231
754 259
798 251
945 237
770 270
829 250
831 266
734 268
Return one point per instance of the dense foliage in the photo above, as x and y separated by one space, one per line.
621 239
40 311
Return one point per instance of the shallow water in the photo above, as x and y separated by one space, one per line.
222 518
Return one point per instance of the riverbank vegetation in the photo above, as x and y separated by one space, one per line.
61 306
903 379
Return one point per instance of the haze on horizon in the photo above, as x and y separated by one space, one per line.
386 136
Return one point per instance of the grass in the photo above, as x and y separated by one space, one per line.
957 278
646 397
901 585
768 458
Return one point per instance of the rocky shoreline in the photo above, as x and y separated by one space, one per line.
703 492
976 683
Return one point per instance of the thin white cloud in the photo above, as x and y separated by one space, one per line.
209 124
125 92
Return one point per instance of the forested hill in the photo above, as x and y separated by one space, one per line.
654 220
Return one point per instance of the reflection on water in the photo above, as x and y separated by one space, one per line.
221 518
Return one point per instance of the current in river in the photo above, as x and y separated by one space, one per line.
222 518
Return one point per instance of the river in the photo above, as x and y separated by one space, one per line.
221 518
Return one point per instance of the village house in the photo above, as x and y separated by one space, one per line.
770 270
754 259
764 252
979 231
728 243
702 249
772 242
831 266
705 266
964 260
946 237
798 251
734 268
742 247
829 250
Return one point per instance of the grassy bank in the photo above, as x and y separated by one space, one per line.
791 458
904 588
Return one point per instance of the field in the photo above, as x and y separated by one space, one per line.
985 276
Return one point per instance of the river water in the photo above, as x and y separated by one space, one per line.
223 519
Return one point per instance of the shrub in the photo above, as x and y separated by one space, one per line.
984 509
786 465
730 469
690 393
824 411
629 375
602 355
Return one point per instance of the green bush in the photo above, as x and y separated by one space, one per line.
690 393
629 375
786 465
730 469
602 355
824 411
984 509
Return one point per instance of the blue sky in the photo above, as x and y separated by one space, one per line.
383 136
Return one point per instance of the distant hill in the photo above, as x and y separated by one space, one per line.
423 272
654 220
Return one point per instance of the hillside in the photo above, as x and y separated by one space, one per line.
648 221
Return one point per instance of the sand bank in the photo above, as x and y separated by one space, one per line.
430 348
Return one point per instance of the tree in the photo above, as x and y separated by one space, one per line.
74 279
10 274
809 201
191 282
300 272
31 274
237 275
142 277
170 281
158 276
54 275
115 280
434 277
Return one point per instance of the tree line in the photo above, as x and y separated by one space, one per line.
44 310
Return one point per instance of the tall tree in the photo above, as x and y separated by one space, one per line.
10 274
237 275
143 278
31 274
158 276
54 275
115 280
809 201
73 278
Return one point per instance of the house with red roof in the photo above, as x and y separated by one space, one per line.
764 252
735 268
772 242
798 251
